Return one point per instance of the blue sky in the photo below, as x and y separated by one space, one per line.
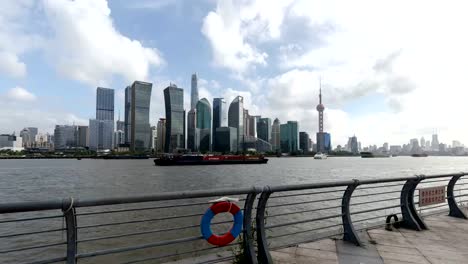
378 77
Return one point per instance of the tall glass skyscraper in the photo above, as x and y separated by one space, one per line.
203 125
191 129
236 119
304 142
219 116
275 135
101 129
264 129
194 92
289 135
175 118
137 108
104 104
65 137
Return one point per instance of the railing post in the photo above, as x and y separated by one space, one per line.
411 218
72 236
455 211
248 235
349 234
262 243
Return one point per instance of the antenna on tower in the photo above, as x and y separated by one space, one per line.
320 86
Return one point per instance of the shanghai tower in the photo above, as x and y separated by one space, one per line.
191 116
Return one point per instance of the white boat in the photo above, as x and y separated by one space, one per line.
320 156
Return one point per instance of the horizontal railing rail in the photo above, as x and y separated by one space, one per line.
166 227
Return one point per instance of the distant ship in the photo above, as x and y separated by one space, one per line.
198 159
320 156
419 155
374 155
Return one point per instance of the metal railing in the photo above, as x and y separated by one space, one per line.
166 227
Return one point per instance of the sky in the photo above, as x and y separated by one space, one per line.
390 70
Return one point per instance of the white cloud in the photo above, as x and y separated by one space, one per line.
87 47
11 66
20 94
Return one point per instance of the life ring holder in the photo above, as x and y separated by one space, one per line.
236 229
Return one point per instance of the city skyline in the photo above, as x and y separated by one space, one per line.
376 77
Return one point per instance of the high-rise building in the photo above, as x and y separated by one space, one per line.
203 132
161 128
137 121
194 92
154 138
289 134
119 138
422 142
28 136
191 129
246 123
304 141
323 138
219 116
275 135
101 129
226 139
65 137
236 120
264 129
83 136
353 145
120 125
104 104
414 143
175 118
435 142
385 146
253 120
11 142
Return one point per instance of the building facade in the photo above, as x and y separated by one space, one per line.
203 131
104 104
226 139
101 129
161 130
11 142
65 137
264 129
194 92
191 129
175 118
137 116
219 117
304 140
275 135
236 120
83 136
289 135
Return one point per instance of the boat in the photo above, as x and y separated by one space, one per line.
199 159
374 155
320 156
419 155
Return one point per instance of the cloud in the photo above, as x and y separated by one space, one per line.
86 46
151 5
20 94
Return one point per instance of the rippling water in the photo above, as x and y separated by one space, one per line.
32 180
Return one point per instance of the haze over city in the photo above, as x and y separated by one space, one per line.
391 80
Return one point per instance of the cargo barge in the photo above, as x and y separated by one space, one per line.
190 159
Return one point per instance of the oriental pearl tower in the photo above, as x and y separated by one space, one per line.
320 109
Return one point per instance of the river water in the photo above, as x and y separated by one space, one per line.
34 180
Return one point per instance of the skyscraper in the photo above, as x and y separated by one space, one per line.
203 132
101 129
175 118
353 145
289 135
28 136
191 129
264 129
253 120
194 92
323 138
104 104
161 130
435 142
65 137
246 122
275 135
219 116
83 136
137 108
304 142
236 119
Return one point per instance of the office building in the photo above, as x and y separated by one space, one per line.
28 136
119 138
219 116
203 128
264 129
304 142
104 104
65 137
246 123
137 123
161 130
289 135
236 120
83 136
435 143
120 125
101 129
175 118
275 135
353 145
191 129
194 92
11 142
226 139
253 120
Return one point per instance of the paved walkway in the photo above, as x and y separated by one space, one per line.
446 242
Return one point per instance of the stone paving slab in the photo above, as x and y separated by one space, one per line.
445 242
